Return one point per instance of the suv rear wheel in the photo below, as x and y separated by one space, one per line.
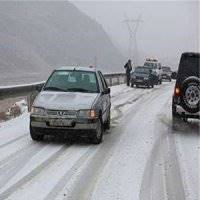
190 97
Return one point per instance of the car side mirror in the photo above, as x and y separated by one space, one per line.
106 91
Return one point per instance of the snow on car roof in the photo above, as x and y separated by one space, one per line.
77 68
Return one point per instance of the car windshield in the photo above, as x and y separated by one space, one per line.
166 69
72 81
151 65
142 70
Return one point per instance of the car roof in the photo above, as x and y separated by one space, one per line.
191 54
78 68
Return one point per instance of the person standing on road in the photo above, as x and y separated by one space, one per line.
128 68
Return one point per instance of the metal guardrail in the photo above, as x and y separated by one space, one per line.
25 90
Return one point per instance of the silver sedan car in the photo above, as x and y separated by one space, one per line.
75 101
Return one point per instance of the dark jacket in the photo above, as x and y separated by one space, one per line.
128 68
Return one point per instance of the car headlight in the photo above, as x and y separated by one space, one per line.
87 113
37 111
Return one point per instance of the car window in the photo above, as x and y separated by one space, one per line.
73 80
101 88
104 83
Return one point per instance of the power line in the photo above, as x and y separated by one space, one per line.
132 26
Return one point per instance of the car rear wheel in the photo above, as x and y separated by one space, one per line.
98 134
190 97
34 135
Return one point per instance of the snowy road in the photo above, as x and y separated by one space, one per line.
141 156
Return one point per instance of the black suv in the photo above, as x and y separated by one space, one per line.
142 76
185 102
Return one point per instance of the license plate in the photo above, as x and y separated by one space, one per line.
139 80
60 122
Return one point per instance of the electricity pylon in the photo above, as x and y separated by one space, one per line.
132 26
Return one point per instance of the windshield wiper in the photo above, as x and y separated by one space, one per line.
54 89
79 90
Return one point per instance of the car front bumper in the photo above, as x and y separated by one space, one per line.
165 76
180 112
141 82
41 122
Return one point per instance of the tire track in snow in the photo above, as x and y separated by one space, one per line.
14 140
68 175
34 172
13 156
57 174
162 176
103 188
10 166
87 178
130 101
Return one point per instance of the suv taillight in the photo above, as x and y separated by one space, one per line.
177 91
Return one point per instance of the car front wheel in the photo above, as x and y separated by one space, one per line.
98 133
107 123
34 135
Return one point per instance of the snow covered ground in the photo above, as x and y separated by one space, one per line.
141 157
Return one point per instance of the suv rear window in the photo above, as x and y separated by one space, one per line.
189 65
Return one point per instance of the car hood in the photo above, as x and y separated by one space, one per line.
65 100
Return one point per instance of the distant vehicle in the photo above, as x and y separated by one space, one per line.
166 73
155 66
174 75
142 76
186 98
74 101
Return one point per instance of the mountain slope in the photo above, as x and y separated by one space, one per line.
39 36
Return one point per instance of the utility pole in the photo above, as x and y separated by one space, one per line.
95 62
132 26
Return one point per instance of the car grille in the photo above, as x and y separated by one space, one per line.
62 113
139 78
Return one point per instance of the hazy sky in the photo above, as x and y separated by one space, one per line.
168 28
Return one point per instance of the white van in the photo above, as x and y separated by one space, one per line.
155 66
